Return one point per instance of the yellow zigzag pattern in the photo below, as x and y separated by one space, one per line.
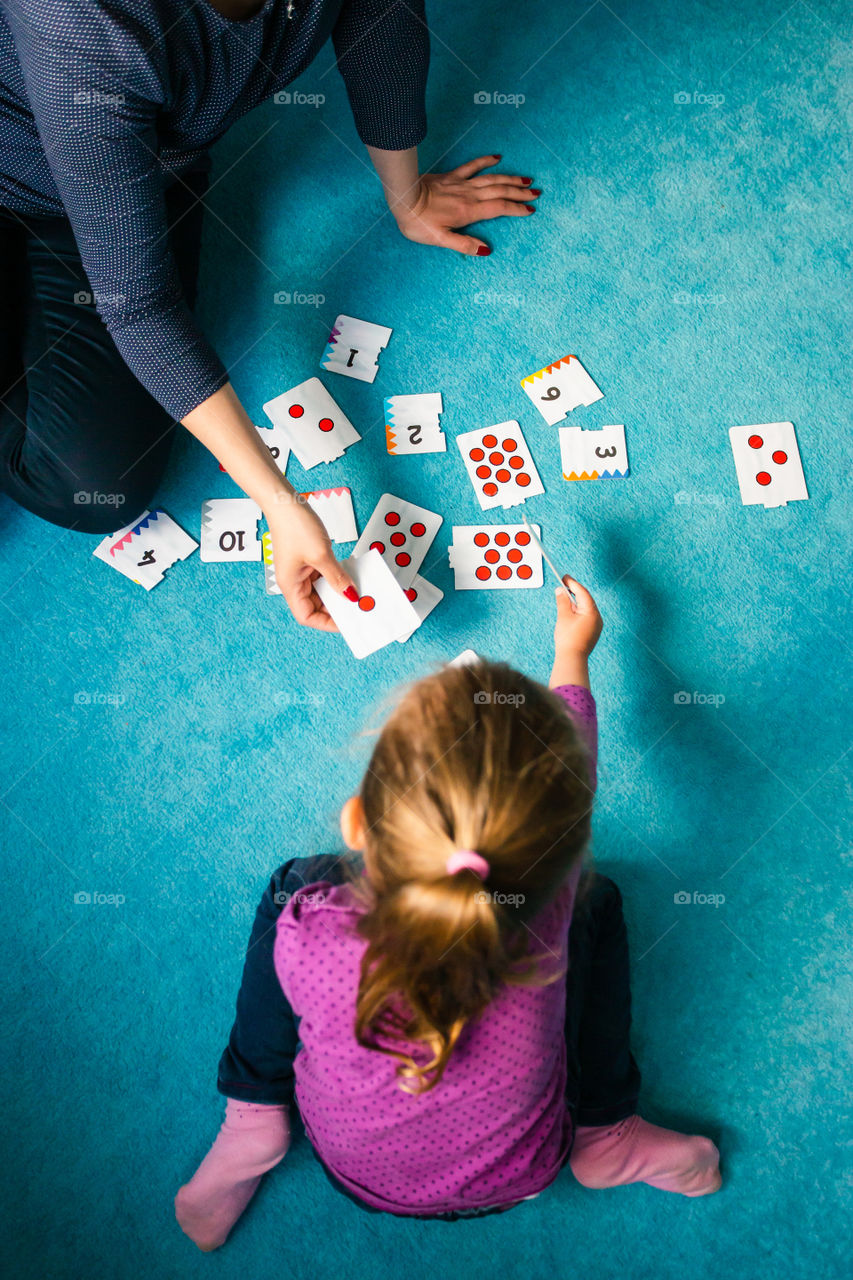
549 368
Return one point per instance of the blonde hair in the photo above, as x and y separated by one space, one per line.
478 758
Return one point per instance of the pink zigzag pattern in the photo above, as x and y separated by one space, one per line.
143 524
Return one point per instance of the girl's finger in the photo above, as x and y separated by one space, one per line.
474 166
511 179
585 602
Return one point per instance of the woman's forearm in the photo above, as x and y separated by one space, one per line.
223 426
398 173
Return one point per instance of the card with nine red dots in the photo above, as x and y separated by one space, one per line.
495 557
500 465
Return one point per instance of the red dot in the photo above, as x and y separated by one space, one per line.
402 558
524 571
514 555
476 455
504 572
483 572
411 594
523 479
296 411
397 539
502 539
509 445
326 424
490 489
366 603
392 518
490 441
755 442
418 529
377 546
481 539
492 556
502 475
763 477
522 538
780 456
516 461
483 472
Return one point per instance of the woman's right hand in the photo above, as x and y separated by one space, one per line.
576 634
302 553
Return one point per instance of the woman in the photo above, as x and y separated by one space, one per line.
107 112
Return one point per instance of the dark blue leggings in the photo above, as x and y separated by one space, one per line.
82 443
603 1079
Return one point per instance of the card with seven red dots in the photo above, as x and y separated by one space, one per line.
402 533
382 613
560 387
768 464
308 418
424 596
353 348
499 465
495 557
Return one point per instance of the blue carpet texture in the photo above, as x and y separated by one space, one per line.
168 750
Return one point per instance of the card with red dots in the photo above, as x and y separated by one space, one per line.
424 596
315 427
768 464
229 529
500 465
412 424
560 387
402 533
381 614
353 348
495 557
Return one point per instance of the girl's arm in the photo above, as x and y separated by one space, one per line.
576 634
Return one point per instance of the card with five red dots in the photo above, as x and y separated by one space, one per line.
768 464
495 557
402 533
499 465
315 427
381 614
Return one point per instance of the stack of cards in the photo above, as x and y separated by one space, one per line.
382 613
229 529
768 464
499 465
593 455
560 387
424 596
311 423
495 557
270 585
353 348
412 424
146 548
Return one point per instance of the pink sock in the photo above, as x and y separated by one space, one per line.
635 1151
253 1138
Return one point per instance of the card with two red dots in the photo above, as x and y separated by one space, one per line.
500 465
316 428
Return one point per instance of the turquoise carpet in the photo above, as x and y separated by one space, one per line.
170 749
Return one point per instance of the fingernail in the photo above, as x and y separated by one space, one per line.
483 251
351 594
535 191
499 157
525 182
531 208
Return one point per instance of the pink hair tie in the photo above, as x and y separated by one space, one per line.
467 860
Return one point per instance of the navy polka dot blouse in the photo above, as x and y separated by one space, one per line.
102 105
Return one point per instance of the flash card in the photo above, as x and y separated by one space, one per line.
402 534
560 387
593 455
424 596
145 549
308 418
278 444
495 556
334 507
499 465
353 348
382 613
270 585
467 658
768 464
412 424
229 529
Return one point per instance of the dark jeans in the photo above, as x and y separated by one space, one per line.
73 419
603 1078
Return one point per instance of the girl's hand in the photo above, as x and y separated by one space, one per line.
576 634
440 202
302 553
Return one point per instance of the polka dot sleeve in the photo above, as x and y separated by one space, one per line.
580 705
382 48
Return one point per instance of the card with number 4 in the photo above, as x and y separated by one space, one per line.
499 465
145 549
353 348
560 387
402 533
412 424
495 557
381 614
768 464
315 427
229 529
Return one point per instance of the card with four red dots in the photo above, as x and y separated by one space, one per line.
316 428
495 557
768 464
499 465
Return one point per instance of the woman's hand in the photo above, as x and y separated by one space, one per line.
438 203
302 553
576 634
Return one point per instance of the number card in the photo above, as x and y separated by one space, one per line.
593 455
229 529
334 507
559 388
412 424
145 549
353 348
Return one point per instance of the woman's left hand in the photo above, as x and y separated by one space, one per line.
441 202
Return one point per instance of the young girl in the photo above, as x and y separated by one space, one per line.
450 1042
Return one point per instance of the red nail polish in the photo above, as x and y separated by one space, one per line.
483 251
525 182
535 191
499 157
531 208
351 594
